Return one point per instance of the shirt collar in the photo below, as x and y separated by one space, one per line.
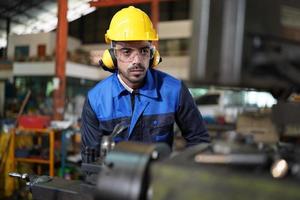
148 89
129 89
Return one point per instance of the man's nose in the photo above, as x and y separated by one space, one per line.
137 57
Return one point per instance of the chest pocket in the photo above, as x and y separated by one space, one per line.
159 128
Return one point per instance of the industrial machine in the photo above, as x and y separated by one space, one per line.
125 168
238 169
229 171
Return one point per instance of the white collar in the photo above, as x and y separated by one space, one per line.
129 89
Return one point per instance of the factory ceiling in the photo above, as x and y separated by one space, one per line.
33 16
24 17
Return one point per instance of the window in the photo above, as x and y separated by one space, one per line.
21 52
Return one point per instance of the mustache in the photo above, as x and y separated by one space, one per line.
137 66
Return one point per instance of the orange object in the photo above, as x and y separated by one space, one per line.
38 132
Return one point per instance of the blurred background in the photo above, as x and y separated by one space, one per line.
239 58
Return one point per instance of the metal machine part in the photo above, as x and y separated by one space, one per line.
279 168
278 159
61 189
18 175
127 173
107 142
91 154
219 178
207 171
31 179
94 159
231 154
240 159
123 174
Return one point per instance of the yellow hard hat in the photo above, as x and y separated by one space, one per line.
130 24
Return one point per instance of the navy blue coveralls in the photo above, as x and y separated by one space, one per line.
162 101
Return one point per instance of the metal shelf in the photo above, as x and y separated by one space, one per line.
38 132
33 160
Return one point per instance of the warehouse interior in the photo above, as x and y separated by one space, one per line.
240 60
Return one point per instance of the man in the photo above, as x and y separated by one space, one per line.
145 101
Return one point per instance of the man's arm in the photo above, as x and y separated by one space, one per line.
189 119
90 133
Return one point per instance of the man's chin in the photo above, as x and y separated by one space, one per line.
137 79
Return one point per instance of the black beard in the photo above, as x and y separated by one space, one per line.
136 67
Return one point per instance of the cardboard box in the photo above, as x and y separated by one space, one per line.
260 126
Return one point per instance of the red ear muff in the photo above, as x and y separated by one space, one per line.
108 61
156 59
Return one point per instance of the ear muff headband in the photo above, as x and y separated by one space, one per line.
109 62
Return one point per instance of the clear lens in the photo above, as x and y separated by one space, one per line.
128 54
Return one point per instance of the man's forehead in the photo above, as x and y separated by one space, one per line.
133 44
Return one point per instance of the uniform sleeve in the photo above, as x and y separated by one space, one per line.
189 119
90 132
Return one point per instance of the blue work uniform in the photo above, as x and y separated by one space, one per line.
158 104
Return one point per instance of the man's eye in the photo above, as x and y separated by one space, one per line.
145 51
126 52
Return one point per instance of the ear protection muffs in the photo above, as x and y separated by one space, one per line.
155 58
109 61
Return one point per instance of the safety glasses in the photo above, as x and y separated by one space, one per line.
127 54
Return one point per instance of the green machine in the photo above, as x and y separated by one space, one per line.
228 171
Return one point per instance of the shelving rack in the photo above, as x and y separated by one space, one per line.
40 161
